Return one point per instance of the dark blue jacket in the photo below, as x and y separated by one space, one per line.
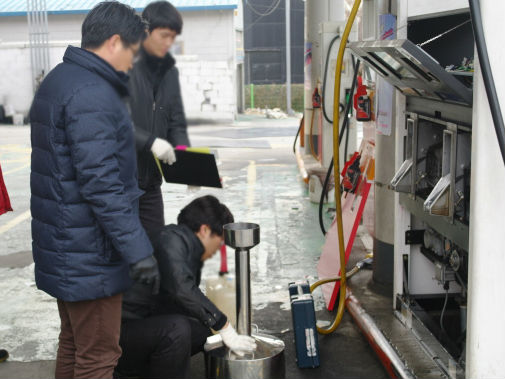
85 228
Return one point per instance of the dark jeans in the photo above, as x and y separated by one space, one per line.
155 347
199 334
159 346
89 336
151 211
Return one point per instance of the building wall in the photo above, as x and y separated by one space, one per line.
16 80
208 52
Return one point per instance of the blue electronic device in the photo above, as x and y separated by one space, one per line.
304 324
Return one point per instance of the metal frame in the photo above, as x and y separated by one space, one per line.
411 70
39 40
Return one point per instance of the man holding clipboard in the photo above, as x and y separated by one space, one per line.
156 108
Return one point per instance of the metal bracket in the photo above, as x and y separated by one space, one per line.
414 237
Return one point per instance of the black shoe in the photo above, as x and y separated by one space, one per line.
4 354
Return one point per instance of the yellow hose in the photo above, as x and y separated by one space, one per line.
334 279
336 172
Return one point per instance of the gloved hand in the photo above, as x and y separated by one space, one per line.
194 188
237 343
163 151
146 271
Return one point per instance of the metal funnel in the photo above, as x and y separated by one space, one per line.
242 235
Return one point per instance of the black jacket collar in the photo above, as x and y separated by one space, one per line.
92 62
197 247
154 64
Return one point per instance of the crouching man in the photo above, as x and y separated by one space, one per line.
160 333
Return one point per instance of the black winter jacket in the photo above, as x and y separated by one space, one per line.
84 192
157 111
178 251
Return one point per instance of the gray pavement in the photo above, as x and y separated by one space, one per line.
261 185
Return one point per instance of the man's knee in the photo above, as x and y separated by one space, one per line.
178 333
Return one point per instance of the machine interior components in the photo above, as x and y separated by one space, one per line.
433 182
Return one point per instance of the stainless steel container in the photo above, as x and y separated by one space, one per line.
267 362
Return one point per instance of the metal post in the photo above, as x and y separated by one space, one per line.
252 95
383 264
402 216
289 111
39 40
243 291
485 329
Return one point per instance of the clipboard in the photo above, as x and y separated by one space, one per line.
191 168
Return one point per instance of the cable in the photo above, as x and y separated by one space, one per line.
345 125
334 39
487 74
442 34
268 12
302 122
346 144
461 282
443 311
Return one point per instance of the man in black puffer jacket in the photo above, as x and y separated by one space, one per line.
156 107
87 237
159 333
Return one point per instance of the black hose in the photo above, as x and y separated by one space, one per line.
487 74
302 121
326 117
345 125
346 144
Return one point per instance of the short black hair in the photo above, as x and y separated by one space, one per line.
109 18
205 210
162 14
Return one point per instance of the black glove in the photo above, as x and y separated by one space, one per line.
146 272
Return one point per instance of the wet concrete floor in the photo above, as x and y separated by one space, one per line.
261 185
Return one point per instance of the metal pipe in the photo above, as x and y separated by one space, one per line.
243 290
288 57
47 64
30 35
387 355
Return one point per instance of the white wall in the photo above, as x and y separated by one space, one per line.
208 39
61 28
434 8
208 88
16 80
